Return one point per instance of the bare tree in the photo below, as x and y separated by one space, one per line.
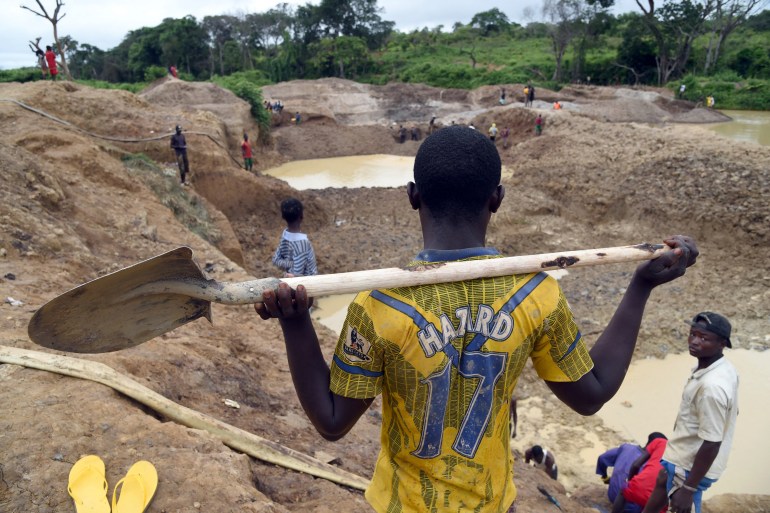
728 15
564 18
54 19
471 53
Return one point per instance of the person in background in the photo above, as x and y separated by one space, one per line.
248 162
506 132
41 63
641 476
620 459
542 459
696 455
493 132
538 125
294 254
50 59
179 145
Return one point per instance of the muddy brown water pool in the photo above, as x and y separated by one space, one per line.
356 171
747 125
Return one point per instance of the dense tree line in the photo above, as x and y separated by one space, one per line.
349 39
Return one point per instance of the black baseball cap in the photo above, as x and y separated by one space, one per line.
714 323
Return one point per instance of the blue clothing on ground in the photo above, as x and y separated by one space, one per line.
620 458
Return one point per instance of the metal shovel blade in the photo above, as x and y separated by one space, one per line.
107 314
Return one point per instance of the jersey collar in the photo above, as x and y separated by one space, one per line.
448 255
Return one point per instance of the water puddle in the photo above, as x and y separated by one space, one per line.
353 172
747 125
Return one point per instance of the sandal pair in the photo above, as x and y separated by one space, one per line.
88 487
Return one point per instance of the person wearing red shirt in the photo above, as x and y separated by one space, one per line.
642 476
246 152
50 59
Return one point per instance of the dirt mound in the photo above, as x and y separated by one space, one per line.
93 189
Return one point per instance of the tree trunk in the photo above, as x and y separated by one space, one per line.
61 49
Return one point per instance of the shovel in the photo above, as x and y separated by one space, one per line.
133 305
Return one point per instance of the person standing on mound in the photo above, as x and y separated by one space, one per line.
248 162
50 59
179 145
446 357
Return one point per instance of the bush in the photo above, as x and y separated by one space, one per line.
245 88
153 73
133 87
20 75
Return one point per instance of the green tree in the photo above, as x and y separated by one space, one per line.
728 15
342 56
636 53
493 20
182 43
674 27
219 31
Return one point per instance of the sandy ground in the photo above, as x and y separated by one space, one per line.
610 169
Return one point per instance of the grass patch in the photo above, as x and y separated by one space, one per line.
187 209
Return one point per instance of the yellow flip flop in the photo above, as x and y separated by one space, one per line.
87 485
136 489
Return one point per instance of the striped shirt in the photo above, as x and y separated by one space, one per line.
295 254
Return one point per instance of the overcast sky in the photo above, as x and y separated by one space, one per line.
104 24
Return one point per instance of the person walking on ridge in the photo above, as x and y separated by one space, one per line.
446 357
538 125
179 145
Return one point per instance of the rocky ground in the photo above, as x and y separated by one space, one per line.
610 169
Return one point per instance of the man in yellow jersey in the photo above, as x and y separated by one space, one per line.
446 357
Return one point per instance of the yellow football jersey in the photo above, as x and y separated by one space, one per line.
446 358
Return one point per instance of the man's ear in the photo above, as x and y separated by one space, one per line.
496 199
414 195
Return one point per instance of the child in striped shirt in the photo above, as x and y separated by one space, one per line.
294 255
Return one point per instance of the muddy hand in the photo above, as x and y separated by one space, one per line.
284 303
672 264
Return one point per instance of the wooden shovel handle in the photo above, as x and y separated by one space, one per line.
249 292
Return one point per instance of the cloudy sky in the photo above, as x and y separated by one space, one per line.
104 23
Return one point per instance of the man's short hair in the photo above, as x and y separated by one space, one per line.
537 452
456 170
291 209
